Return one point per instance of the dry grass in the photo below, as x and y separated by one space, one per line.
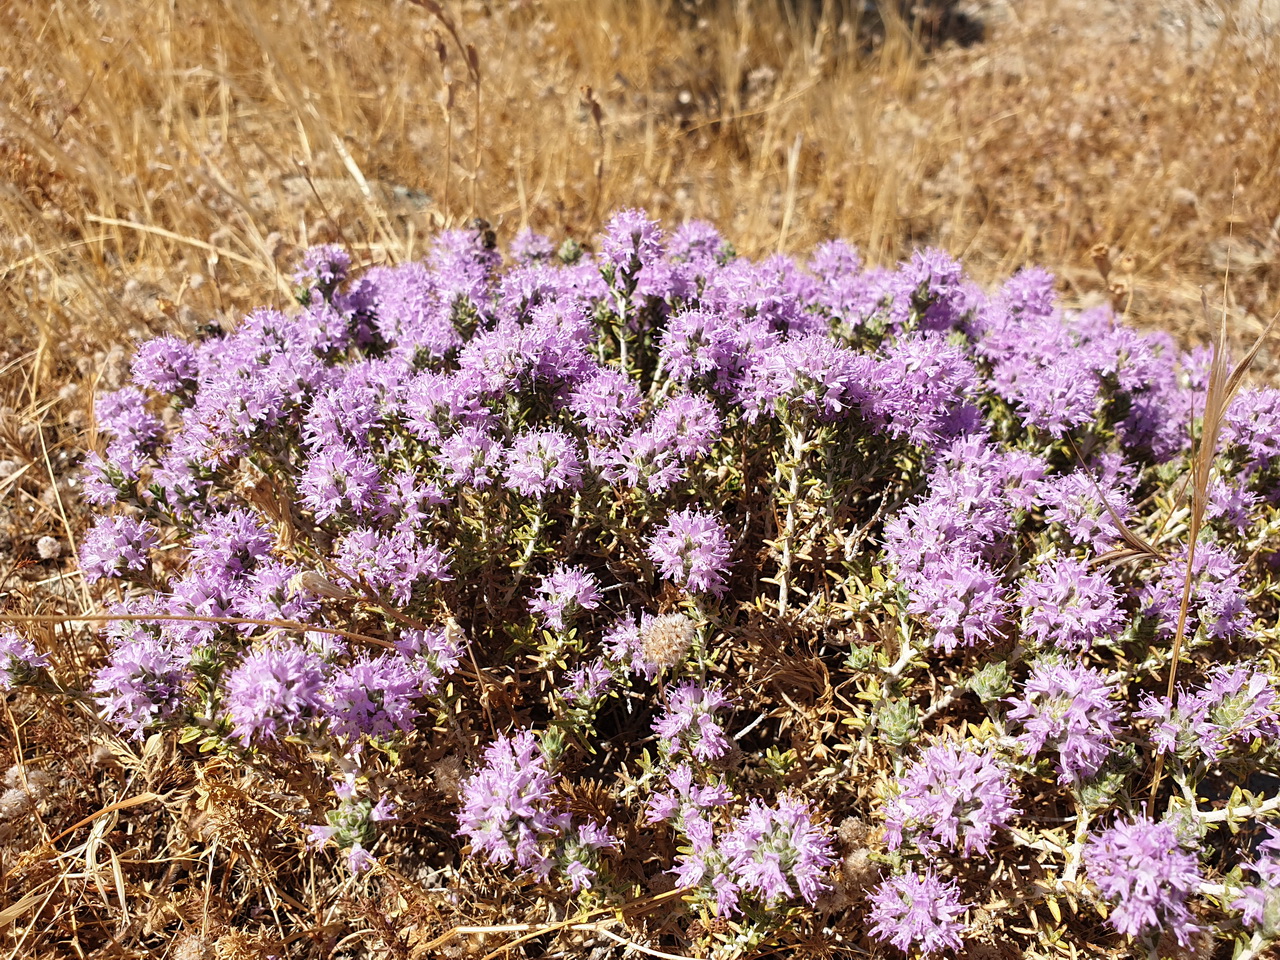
162 163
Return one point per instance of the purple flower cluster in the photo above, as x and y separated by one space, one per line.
946 545
776 853
392 562
350 825
19 661
1068 708
145 680
1259 904
118 546
918 911
692 551
587 683
432 654
687 801
510 807
273 691
543 461
511 813
689 722
767 854
1219 604
1141 867
1067 605
562 593
166 365
323 268
372 696
955 796
1237 704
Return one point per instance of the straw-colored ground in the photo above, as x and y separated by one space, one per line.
162 163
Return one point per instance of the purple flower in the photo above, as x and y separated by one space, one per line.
1030 293
272 594
104 483
528 247
953 796
346 411
587 683
541 461
778 852
470 456
117 546
1232 502
699 243
338 478
395 562
624 645
579 854
923 390
350 825
689 423
432 654
705 345
1068 707
463 263
323 268
166 365
961 597
930 290
1083 504
692 551
918 910
144 682
273 691
687 799
1141 868
414 312
564 592
814 375
232 543
408 499
1252 428
1065 605
510 807
1260 905
1219 605
771 854
973 490
373 697
133 429
688 723
18 660
1238 704
606 403
631 241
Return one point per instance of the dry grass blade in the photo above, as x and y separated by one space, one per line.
185 618
1221 389
1138 546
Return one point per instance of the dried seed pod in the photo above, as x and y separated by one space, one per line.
1101 255
666 640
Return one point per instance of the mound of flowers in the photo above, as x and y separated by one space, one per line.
815 602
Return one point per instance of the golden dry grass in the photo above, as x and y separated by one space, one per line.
162 163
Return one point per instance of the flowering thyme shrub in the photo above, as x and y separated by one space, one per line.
802 598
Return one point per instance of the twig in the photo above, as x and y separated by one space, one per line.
187 618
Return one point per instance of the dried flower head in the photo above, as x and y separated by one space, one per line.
665 641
